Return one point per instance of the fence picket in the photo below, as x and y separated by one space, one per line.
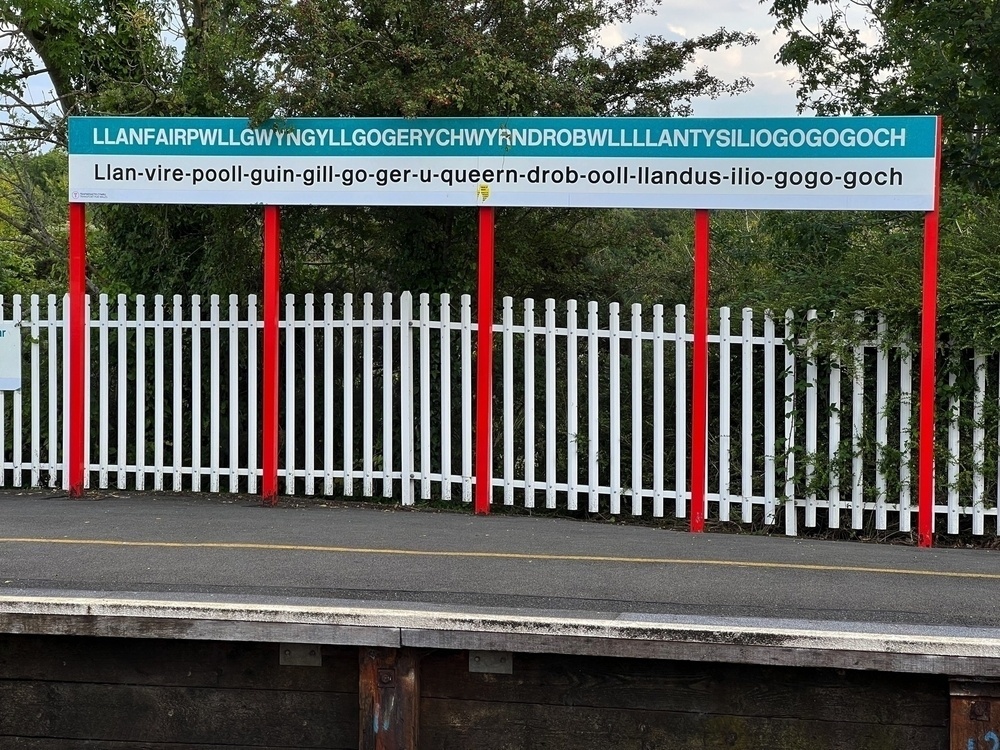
367 395
36 412
881 424
791 515
121 364
615 408
529 403
158 394
746 413
290 380
387 400
406 395
834 444
52 323
770 423
954 448
348 420
725 416
636 449
466 315
550 403
87 423
177 423
196 420
140 389
445 317
252 397
425 397
65 388
857 433
234 393
978 446
572 407
593 406
658 419
328 394
905 432
103 451
309 388
214 394
680 411
507 384
811 420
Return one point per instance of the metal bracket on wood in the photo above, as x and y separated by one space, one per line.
387 678
300 655
491 662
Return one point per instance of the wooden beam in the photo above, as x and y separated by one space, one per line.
389 698
975 715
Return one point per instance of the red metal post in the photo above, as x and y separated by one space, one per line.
77 332
928 356
269 418
699 375
484 366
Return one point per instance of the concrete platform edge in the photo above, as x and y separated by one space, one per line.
958 652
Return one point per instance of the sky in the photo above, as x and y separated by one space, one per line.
772 95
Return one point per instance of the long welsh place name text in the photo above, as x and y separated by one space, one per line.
423 137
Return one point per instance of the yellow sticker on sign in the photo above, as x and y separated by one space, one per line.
483 191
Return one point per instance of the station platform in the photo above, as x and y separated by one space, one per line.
215 567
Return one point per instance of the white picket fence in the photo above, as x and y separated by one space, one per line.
591 410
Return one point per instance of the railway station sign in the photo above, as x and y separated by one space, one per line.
836 163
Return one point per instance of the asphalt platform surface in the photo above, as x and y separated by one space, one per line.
231 549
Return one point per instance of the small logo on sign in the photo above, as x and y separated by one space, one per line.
483 191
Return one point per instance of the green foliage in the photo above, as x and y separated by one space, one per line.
338 58
33 223
505 57
866 262
928 57
97 55
143 57
177 249
431 58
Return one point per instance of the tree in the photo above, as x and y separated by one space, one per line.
901 57
60 58
497 58
140 57
33 222
886 57
339 58
494 57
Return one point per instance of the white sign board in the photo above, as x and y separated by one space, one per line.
838 163
10 357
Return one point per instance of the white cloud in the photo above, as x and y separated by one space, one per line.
772 94
611 36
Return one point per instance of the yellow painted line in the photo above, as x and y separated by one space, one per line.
546 557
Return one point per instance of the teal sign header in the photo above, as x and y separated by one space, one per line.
773 138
